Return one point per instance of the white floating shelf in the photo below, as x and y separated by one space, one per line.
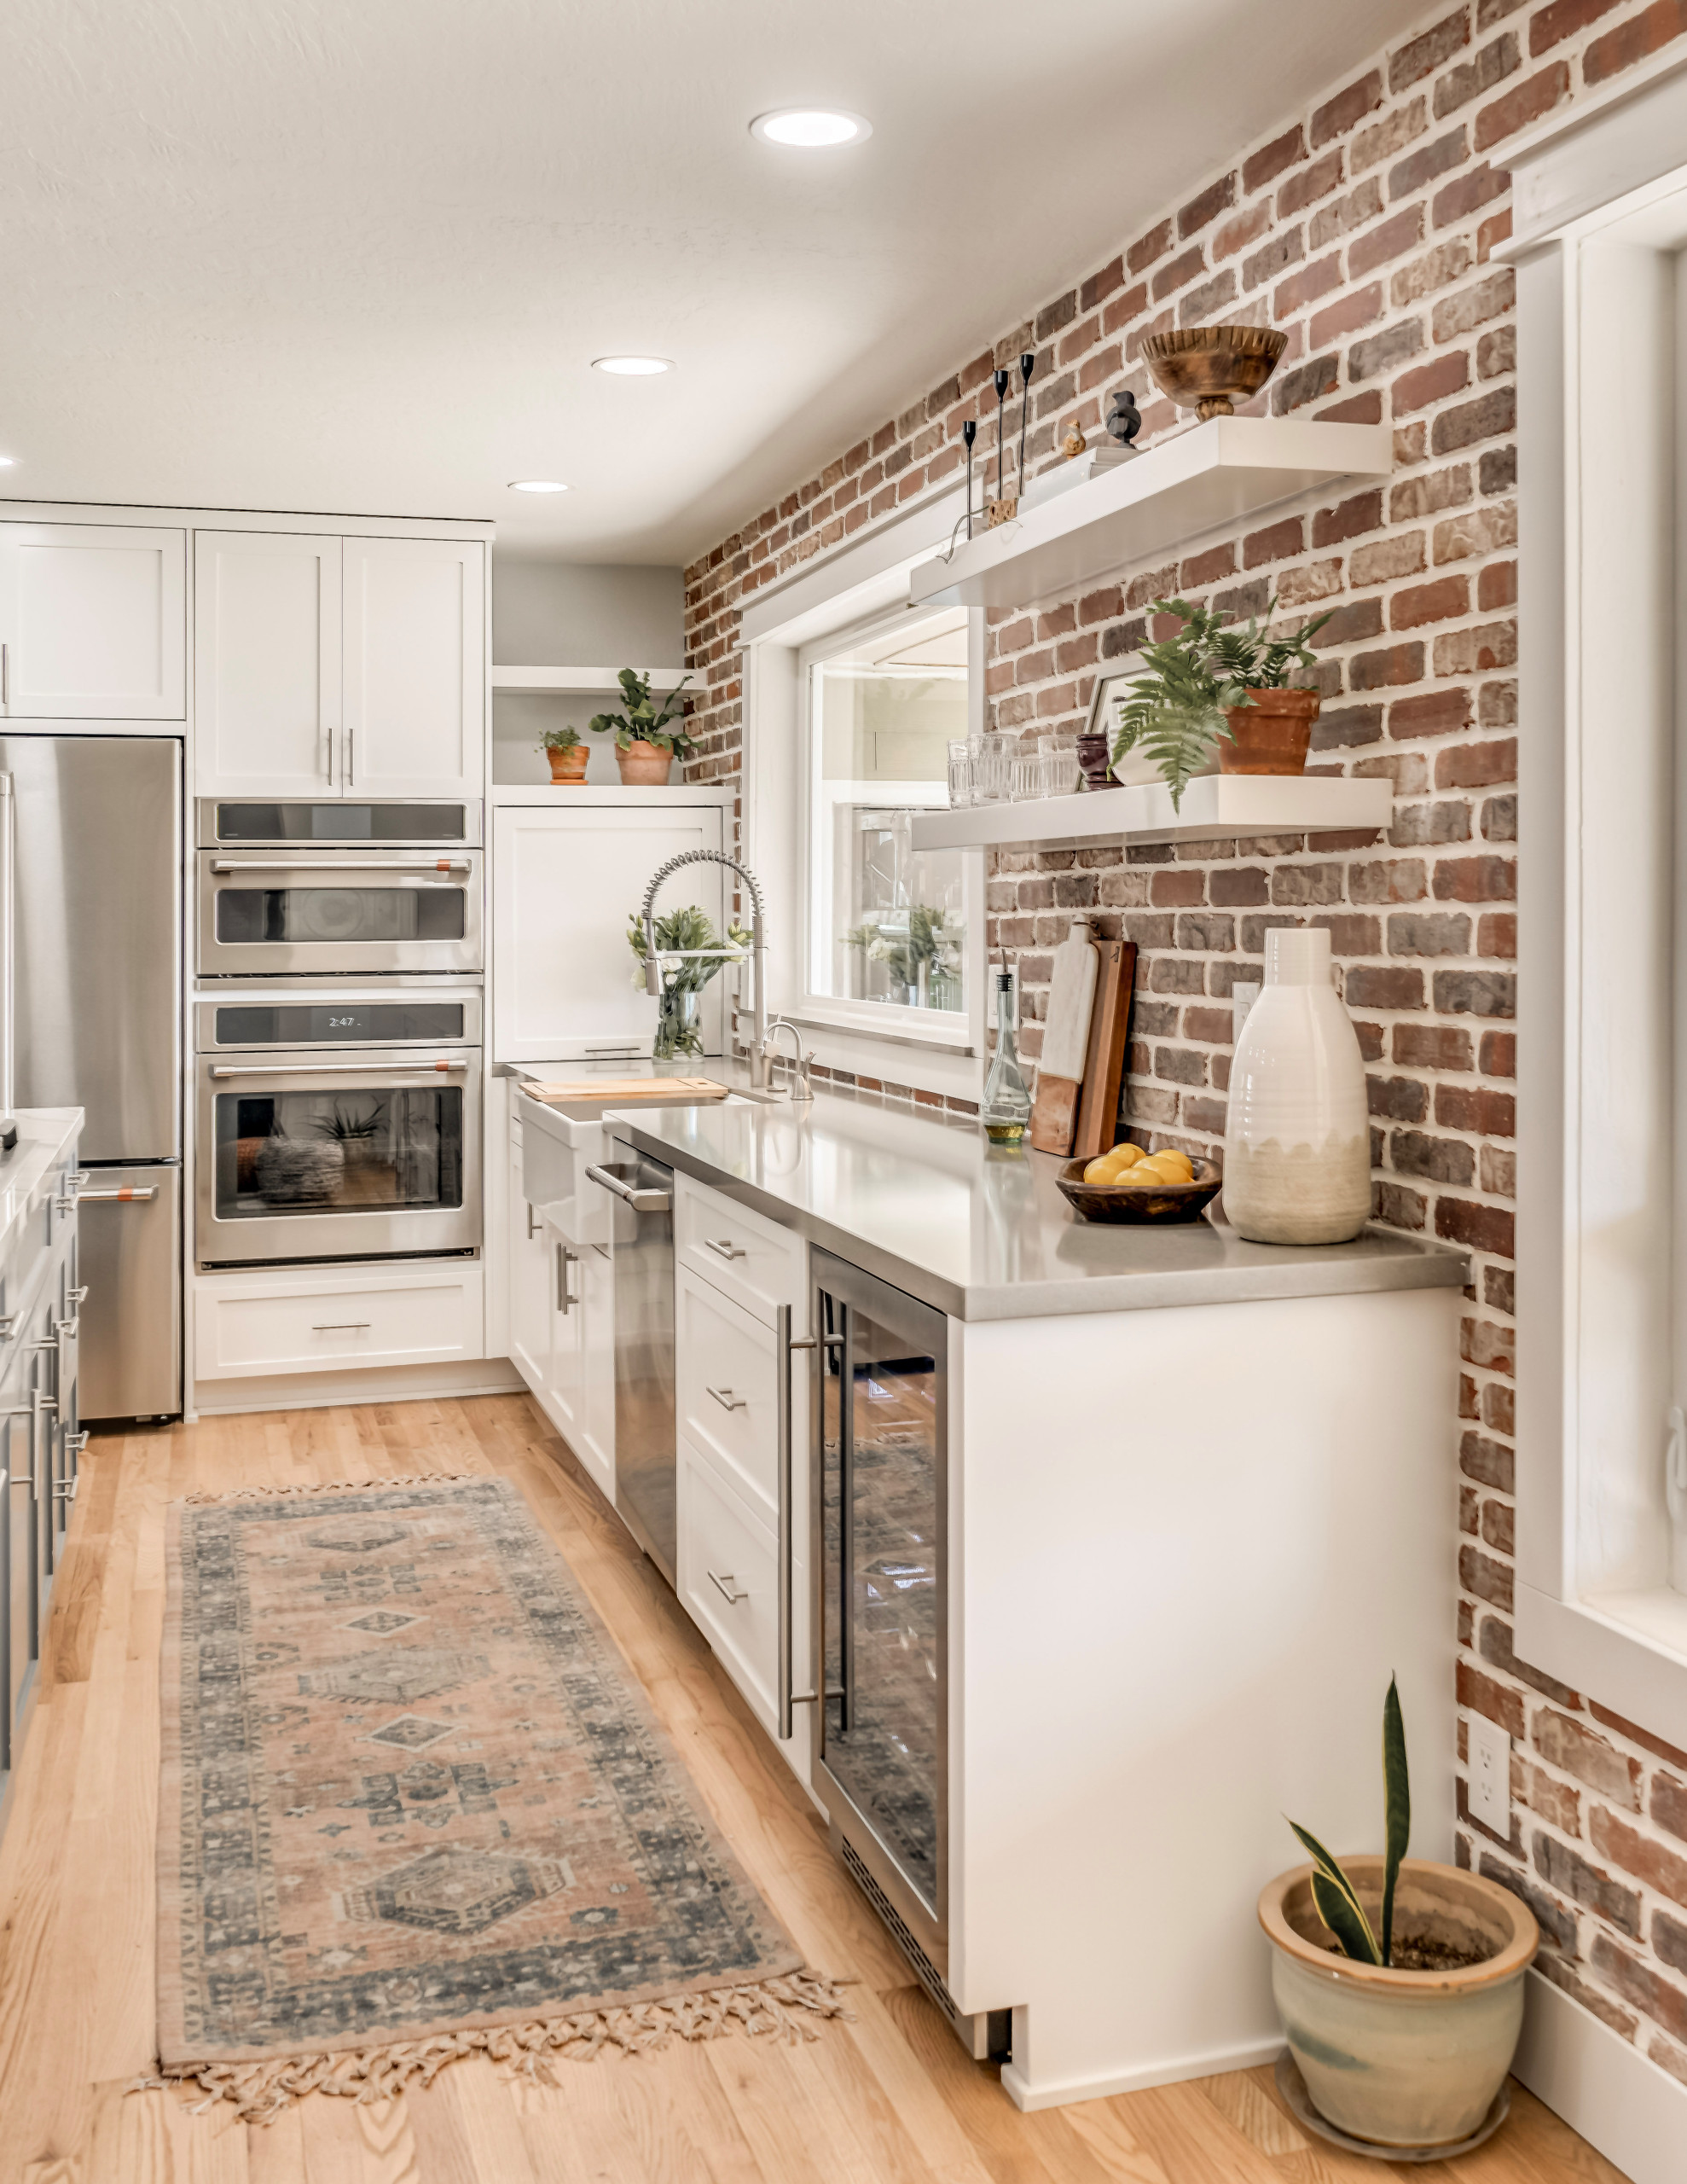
1213 805
576 682
1219 474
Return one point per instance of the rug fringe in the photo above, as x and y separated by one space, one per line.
340 1486
785 2008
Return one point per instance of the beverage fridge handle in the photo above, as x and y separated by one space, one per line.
788 1698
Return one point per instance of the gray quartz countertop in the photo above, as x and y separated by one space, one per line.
26 1172
982 1232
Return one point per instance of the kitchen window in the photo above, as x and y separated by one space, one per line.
887 927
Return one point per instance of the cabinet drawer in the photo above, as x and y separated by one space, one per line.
729 1578
752 1259
725 1388
246 1327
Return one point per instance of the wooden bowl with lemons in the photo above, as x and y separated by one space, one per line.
1130 1184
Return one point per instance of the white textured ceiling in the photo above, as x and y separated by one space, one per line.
358 256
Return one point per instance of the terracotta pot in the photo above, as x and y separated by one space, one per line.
568 765
1402 2059
643 765
1272 733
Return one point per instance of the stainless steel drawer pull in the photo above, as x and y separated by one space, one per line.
725 1247
564 1259
339 1327
724 1586
128 1196
384 1077
640 1201
76 1442
532 1225
65 1491
77 1295
627 1048
726 1399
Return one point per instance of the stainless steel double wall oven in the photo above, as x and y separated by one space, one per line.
338 1023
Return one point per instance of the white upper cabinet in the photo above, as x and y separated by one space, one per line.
267 663
338 667
565 884
415 674
92 623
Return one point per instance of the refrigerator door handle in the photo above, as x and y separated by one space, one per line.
127 1196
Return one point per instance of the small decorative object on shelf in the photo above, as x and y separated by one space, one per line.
1399 1982
1209 368
1028 364
645 746
1093 762
1075 444
1297 1142
1002 509
1124 421
568 753
1005 1111
688 935
1207 685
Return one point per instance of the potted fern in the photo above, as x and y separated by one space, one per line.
568 753
647 741
1208 684
1400 1983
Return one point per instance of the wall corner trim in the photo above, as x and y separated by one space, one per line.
1621 2102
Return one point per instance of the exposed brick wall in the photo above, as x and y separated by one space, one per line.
1363 227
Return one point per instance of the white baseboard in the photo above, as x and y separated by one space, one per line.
476 1376
1618 2099
1207 2066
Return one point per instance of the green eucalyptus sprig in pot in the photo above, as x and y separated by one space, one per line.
1399 1981
1209 685
646 741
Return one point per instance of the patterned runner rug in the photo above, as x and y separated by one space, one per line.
414 1806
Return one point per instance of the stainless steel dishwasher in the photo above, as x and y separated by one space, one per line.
642 1248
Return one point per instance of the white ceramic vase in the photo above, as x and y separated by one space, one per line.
1297 1140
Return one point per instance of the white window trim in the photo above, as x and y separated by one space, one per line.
958 1030
1600 1008
863 586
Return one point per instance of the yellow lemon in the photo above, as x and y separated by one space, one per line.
1104 1171
1125 1153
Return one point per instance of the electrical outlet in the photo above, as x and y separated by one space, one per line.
1490 1791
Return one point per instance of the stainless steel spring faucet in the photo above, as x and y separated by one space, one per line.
760 1062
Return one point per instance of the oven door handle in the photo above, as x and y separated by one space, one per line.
340 1069
341 865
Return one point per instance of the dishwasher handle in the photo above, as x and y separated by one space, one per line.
640 1201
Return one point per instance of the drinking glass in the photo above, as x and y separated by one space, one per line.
962 790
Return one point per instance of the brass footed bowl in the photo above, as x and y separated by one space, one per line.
1138 1202
1206 368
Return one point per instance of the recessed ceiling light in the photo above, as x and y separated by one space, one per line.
7 462
536 485
811 126
632 367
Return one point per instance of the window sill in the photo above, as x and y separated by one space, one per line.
1629 1650
891 1034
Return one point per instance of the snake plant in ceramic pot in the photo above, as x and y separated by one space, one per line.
1209 685
1399 1981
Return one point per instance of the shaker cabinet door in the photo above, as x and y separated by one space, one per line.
530 1307
267 663
93 621
565 885
415 667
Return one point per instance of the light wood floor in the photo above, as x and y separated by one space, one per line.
887 2099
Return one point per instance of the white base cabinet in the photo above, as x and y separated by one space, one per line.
733 1270
251 1325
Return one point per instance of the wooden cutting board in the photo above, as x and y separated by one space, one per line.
1060 1070
621 1090
1105 1064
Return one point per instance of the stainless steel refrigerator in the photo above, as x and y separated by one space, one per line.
98 971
